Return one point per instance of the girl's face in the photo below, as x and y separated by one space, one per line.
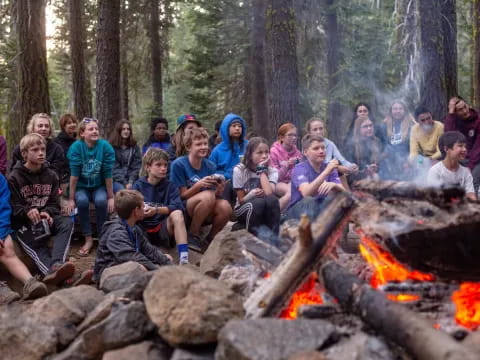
317 128
42 127
90 134
260 154
290 138
235 130
71 128
366 129
190 125
362 111
125 131
398 111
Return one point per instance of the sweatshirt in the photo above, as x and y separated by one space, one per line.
279 157
227 154
65 141
5 209
91 165
426 143
120 243
152 142
127 164
32 190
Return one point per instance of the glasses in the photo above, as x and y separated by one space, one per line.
87 120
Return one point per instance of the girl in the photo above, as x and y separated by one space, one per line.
91 163
185 123
128 159
285 155
254 182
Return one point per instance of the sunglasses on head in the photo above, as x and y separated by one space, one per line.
87 119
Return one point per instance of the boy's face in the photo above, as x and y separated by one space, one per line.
35 154
90 133
462 110
140 212
199 148
158 169
457 152
315 153
235 130
42 127
160 131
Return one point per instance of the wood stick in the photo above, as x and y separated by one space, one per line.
395 321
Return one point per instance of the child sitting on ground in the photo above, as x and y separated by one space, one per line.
453 146
201 188
122 240
164 222
254 181
36 212
312 179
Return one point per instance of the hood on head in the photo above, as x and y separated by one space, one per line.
224 128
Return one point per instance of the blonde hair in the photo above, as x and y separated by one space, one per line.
34 118
126 201
30 140
152 154
83 125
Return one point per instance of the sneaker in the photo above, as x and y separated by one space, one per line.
7 295
85 278
59 273
195 243
33 289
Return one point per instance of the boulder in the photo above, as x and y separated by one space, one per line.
146 350
189 308
264 339
122 276
194 354
360 347
241 279
308 355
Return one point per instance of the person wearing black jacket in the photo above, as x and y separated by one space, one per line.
122 240
68 133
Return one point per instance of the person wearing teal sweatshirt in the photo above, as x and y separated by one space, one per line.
91 164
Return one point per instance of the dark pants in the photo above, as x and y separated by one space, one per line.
308 206
38 250
261 216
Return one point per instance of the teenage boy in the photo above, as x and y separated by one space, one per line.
201 188
312 180
163 222
122 240
424 136
36 212
453 145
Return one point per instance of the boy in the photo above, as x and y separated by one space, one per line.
453 145
163 222
122 241
312 179
36 209
194 175
424 136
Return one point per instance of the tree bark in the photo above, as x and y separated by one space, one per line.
433 93
449 25
156 54
82 98
476 53
108 65
32 87
124 99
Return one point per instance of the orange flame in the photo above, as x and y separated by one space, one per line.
307 294
467 301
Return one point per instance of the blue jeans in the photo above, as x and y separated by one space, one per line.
83 197
117 187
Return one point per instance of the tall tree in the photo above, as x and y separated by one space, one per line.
108 64
284 100
82 97
32 77
449 26
433 92
156 54
124 19
476 52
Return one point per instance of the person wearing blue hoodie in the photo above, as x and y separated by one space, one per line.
230 151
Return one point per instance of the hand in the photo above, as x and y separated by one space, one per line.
264 162
253 193
34 216
326 187
332 164
169 257
110 205
69 207
220 188
292 162
150 211
128 186
354 168
206 182
46 216
372 169
451 105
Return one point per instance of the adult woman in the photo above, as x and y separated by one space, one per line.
68 133
128 159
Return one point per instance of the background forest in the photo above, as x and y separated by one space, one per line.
270 61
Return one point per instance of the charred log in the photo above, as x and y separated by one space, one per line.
392 320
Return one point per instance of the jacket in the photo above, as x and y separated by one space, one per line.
31 190
152 142
65 141
117 246
471 129
127 164
279 157
5 209
227 154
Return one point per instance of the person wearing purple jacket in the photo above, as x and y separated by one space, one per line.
312 180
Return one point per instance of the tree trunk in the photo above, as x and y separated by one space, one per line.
156 57
433 92
108 64
284 106
124 109
449 25
476 53
32 77
82 98
258 85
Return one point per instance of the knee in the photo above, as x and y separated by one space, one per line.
207 197
177 217
8 251
271 200
101 202
82 201
223 207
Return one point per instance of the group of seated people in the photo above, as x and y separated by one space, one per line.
181 186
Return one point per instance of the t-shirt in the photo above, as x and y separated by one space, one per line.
440 175
247 180
184 175
305 173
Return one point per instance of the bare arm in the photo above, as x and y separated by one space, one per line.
310 189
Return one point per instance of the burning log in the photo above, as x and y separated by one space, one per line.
392 320
314 241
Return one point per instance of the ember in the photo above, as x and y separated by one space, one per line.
467 301
307 294
403 297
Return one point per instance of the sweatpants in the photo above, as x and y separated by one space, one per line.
62 230
260 212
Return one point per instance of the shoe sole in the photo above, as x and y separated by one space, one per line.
85 278
65 272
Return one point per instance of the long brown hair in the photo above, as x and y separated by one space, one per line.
116 139
251 147
357 141
407 121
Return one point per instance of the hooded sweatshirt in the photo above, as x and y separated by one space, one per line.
91 165
152 142
32 190
5 209
227 154
120 243
165 193
65 141
279 157
469 127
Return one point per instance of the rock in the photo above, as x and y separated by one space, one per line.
360 347
241 279
101 311
189 308
473 341
127 324
134 291
194 354
145 350
263 339
122 276
308 355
